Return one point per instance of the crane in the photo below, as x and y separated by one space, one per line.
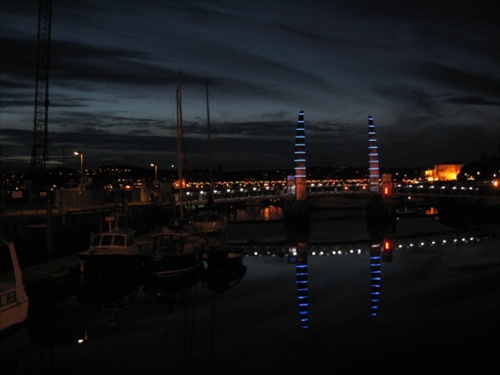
40 131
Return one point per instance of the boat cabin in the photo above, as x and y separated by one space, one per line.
13 298
112 243
112 240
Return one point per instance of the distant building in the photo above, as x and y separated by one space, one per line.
443 172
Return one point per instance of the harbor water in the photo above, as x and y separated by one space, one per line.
437 309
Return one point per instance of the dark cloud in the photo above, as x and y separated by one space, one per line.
428 72
473 100
462 79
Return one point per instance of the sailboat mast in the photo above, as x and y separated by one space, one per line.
209 132
180 149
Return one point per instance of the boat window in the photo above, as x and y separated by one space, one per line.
166 244
106 240
130 240
119 241
96 241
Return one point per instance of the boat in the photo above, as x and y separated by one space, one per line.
194 239
208 219
13 298
112 267
177 247
210 222
14 303
213 225
173 263
225 268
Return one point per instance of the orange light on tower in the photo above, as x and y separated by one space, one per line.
386 185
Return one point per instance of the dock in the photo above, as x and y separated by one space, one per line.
53 269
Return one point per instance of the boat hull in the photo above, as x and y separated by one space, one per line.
167 281
225 269
109 278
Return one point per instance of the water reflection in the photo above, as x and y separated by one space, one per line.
297 230
381 225
256 212
297 254
254 303
225 269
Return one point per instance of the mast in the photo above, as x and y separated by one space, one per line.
180 148
210 162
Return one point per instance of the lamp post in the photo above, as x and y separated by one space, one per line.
81 168
156 171
154 196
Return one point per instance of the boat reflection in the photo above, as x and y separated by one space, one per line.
225 268
173 265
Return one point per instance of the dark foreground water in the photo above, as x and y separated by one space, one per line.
438 312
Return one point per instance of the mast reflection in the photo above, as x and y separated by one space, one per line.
225 269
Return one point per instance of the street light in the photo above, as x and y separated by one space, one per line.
154 194
156 171
81 168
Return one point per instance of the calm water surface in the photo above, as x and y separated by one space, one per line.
437 310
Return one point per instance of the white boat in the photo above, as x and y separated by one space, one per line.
14 302
13 298
111 268
116 241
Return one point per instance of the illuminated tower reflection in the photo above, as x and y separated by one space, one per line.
302 274
381 226
297 224
375 277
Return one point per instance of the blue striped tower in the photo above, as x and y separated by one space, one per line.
296 211
300 159
374 174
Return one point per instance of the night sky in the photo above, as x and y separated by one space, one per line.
427 71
